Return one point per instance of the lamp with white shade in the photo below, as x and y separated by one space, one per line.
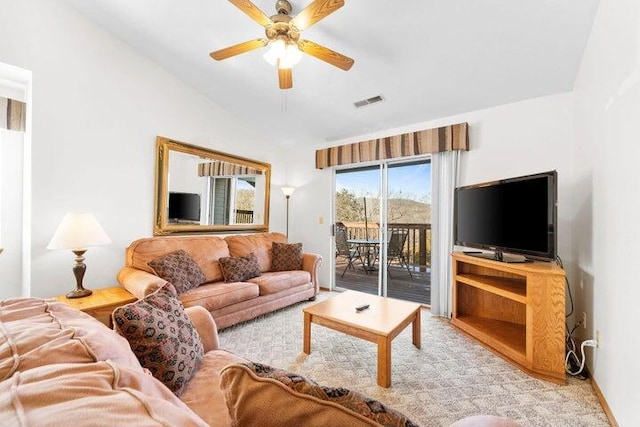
287 191
77 232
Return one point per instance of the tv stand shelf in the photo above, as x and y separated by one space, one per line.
516 310
505 334
514 289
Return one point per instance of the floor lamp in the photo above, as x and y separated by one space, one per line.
288 191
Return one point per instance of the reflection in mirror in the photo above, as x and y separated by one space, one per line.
201 190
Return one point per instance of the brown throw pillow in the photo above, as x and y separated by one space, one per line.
253 388
239 268
179 269
162 337
286 256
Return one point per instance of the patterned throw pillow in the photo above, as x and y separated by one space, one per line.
179 269
239 268
353 401
286 256
162 337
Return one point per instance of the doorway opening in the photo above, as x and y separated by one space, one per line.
15 181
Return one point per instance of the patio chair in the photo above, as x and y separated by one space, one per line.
345 249
395 251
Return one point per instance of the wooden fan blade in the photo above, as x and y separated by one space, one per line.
252 11
325 54
316 11
237 49
285 78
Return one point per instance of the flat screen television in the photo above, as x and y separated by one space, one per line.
509 216
184 207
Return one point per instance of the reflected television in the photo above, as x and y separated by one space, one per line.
184 207
510 216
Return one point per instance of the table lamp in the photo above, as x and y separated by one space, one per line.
77 232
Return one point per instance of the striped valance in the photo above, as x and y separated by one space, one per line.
12 114
446 138
219 168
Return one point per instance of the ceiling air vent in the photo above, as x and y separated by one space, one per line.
368 101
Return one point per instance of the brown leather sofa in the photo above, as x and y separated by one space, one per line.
228 303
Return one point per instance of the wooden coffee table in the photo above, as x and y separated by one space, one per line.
380 323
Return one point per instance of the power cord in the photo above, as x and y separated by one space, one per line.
572 361
573 357
566 281
570 344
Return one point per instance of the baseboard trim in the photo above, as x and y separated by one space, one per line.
603 402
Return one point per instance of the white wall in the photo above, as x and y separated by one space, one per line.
607 223
511 140
97 107
183 176
309 205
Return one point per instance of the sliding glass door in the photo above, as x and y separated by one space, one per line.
383 230
357 229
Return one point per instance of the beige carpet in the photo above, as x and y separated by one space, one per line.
449 378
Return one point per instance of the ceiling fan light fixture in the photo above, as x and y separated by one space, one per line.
292 56
277 50
282 54
282 36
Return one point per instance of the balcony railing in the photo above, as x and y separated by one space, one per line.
244 216
417 248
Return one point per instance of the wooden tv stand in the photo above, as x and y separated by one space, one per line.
515 310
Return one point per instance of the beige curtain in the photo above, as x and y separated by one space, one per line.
446 138
12 114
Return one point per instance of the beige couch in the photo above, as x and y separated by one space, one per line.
59 366
228 303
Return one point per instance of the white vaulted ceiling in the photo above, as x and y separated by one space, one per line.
427 58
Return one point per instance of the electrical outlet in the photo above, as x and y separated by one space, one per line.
584 320
320 220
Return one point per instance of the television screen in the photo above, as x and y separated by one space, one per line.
184 206
515 215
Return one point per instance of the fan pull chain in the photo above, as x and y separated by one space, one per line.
283 105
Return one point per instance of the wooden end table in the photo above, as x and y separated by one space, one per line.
101 303
380 323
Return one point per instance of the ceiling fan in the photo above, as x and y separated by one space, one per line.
283 36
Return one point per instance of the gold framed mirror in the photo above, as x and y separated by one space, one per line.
199 190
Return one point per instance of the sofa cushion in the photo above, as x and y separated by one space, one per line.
260 244
239 268
90 394
281 399
218 295
36 332
276 281
354 401
204 249
162 337
203 393
179 269
286 256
